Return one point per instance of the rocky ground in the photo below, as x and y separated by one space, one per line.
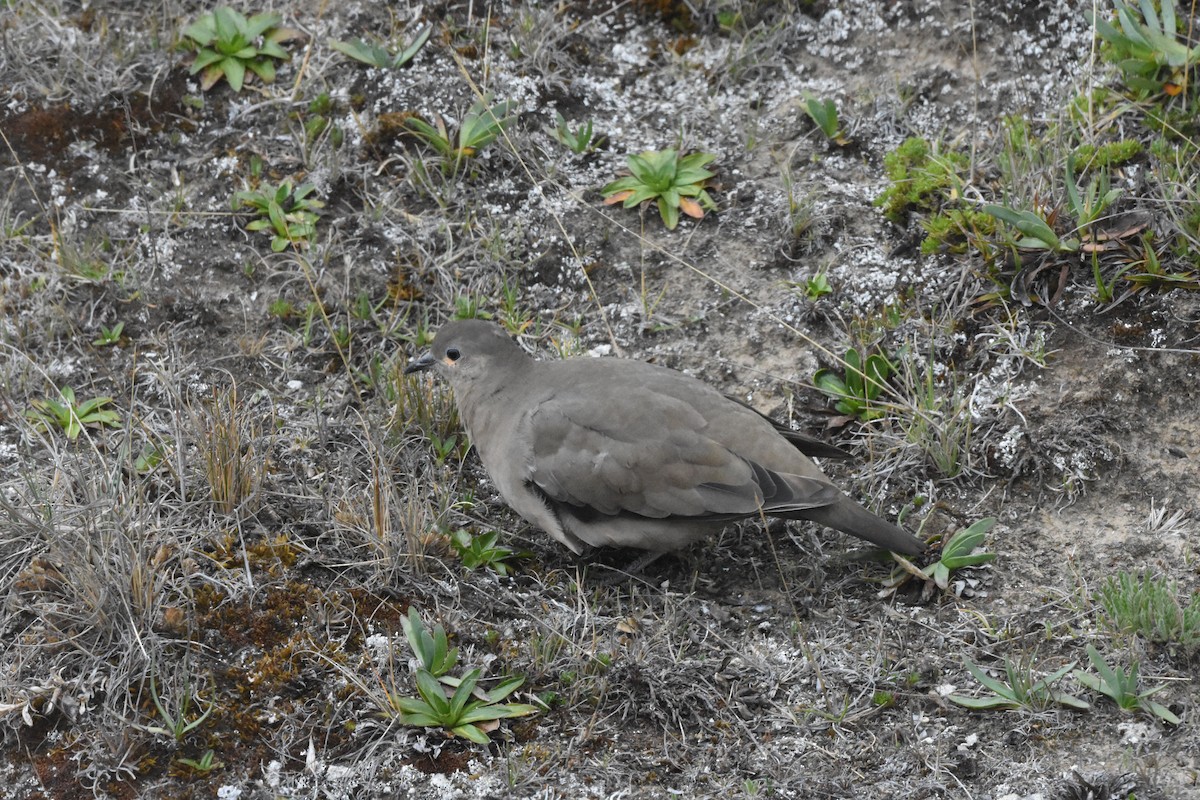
204 592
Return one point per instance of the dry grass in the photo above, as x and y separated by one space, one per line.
208 597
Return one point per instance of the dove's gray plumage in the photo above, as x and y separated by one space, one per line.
610 451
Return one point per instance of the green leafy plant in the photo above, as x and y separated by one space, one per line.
469 306
288 214
817 287
281 308
483 550
730 20
177 725
443 447
1147 272
515 317
362 308
825 114
959 552
380 57
675 183
71 416
469 712
1147 47
579 141
1148 606
205 763
1090 204
481 125
1106 288
433 650
1038 234
148 459
88 270
1019 690
456 704
1122 687
227 44
857 389
109 336
319 119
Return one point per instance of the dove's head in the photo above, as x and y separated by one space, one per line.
471 352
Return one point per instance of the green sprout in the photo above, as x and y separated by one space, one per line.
922 177
1122 687
467 712
1038 235
281 308
177 725
859 387
1148 606
1147 272
227 44
377 56
319 119
579 141
148 459
817 287
109 336
480 127
483 550
443 447
675 183
825 114
205 763
1019 690
456 704
959 552
1147 46
431 649
1090 204
288 214
70 416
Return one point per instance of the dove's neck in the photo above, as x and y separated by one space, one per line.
490 404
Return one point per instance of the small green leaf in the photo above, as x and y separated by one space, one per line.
234 71
989 682
259 23
361 51
669 213
430 690
983 703
203 59
830 382
462 694
418 42
471 732
1162 712
854 375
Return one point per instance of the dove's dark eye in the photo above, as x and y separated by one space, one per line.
453 354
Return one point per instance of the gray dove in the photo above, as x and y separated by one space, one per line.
612 451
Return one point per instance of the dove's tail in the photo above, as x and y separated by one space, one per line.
849 517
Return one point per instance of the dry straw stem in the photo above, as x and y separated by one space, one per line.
229 437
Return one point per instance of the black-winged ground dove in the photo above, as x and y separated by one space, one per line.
612 451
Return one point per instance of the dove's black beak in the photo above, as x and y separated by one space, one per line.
423 363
